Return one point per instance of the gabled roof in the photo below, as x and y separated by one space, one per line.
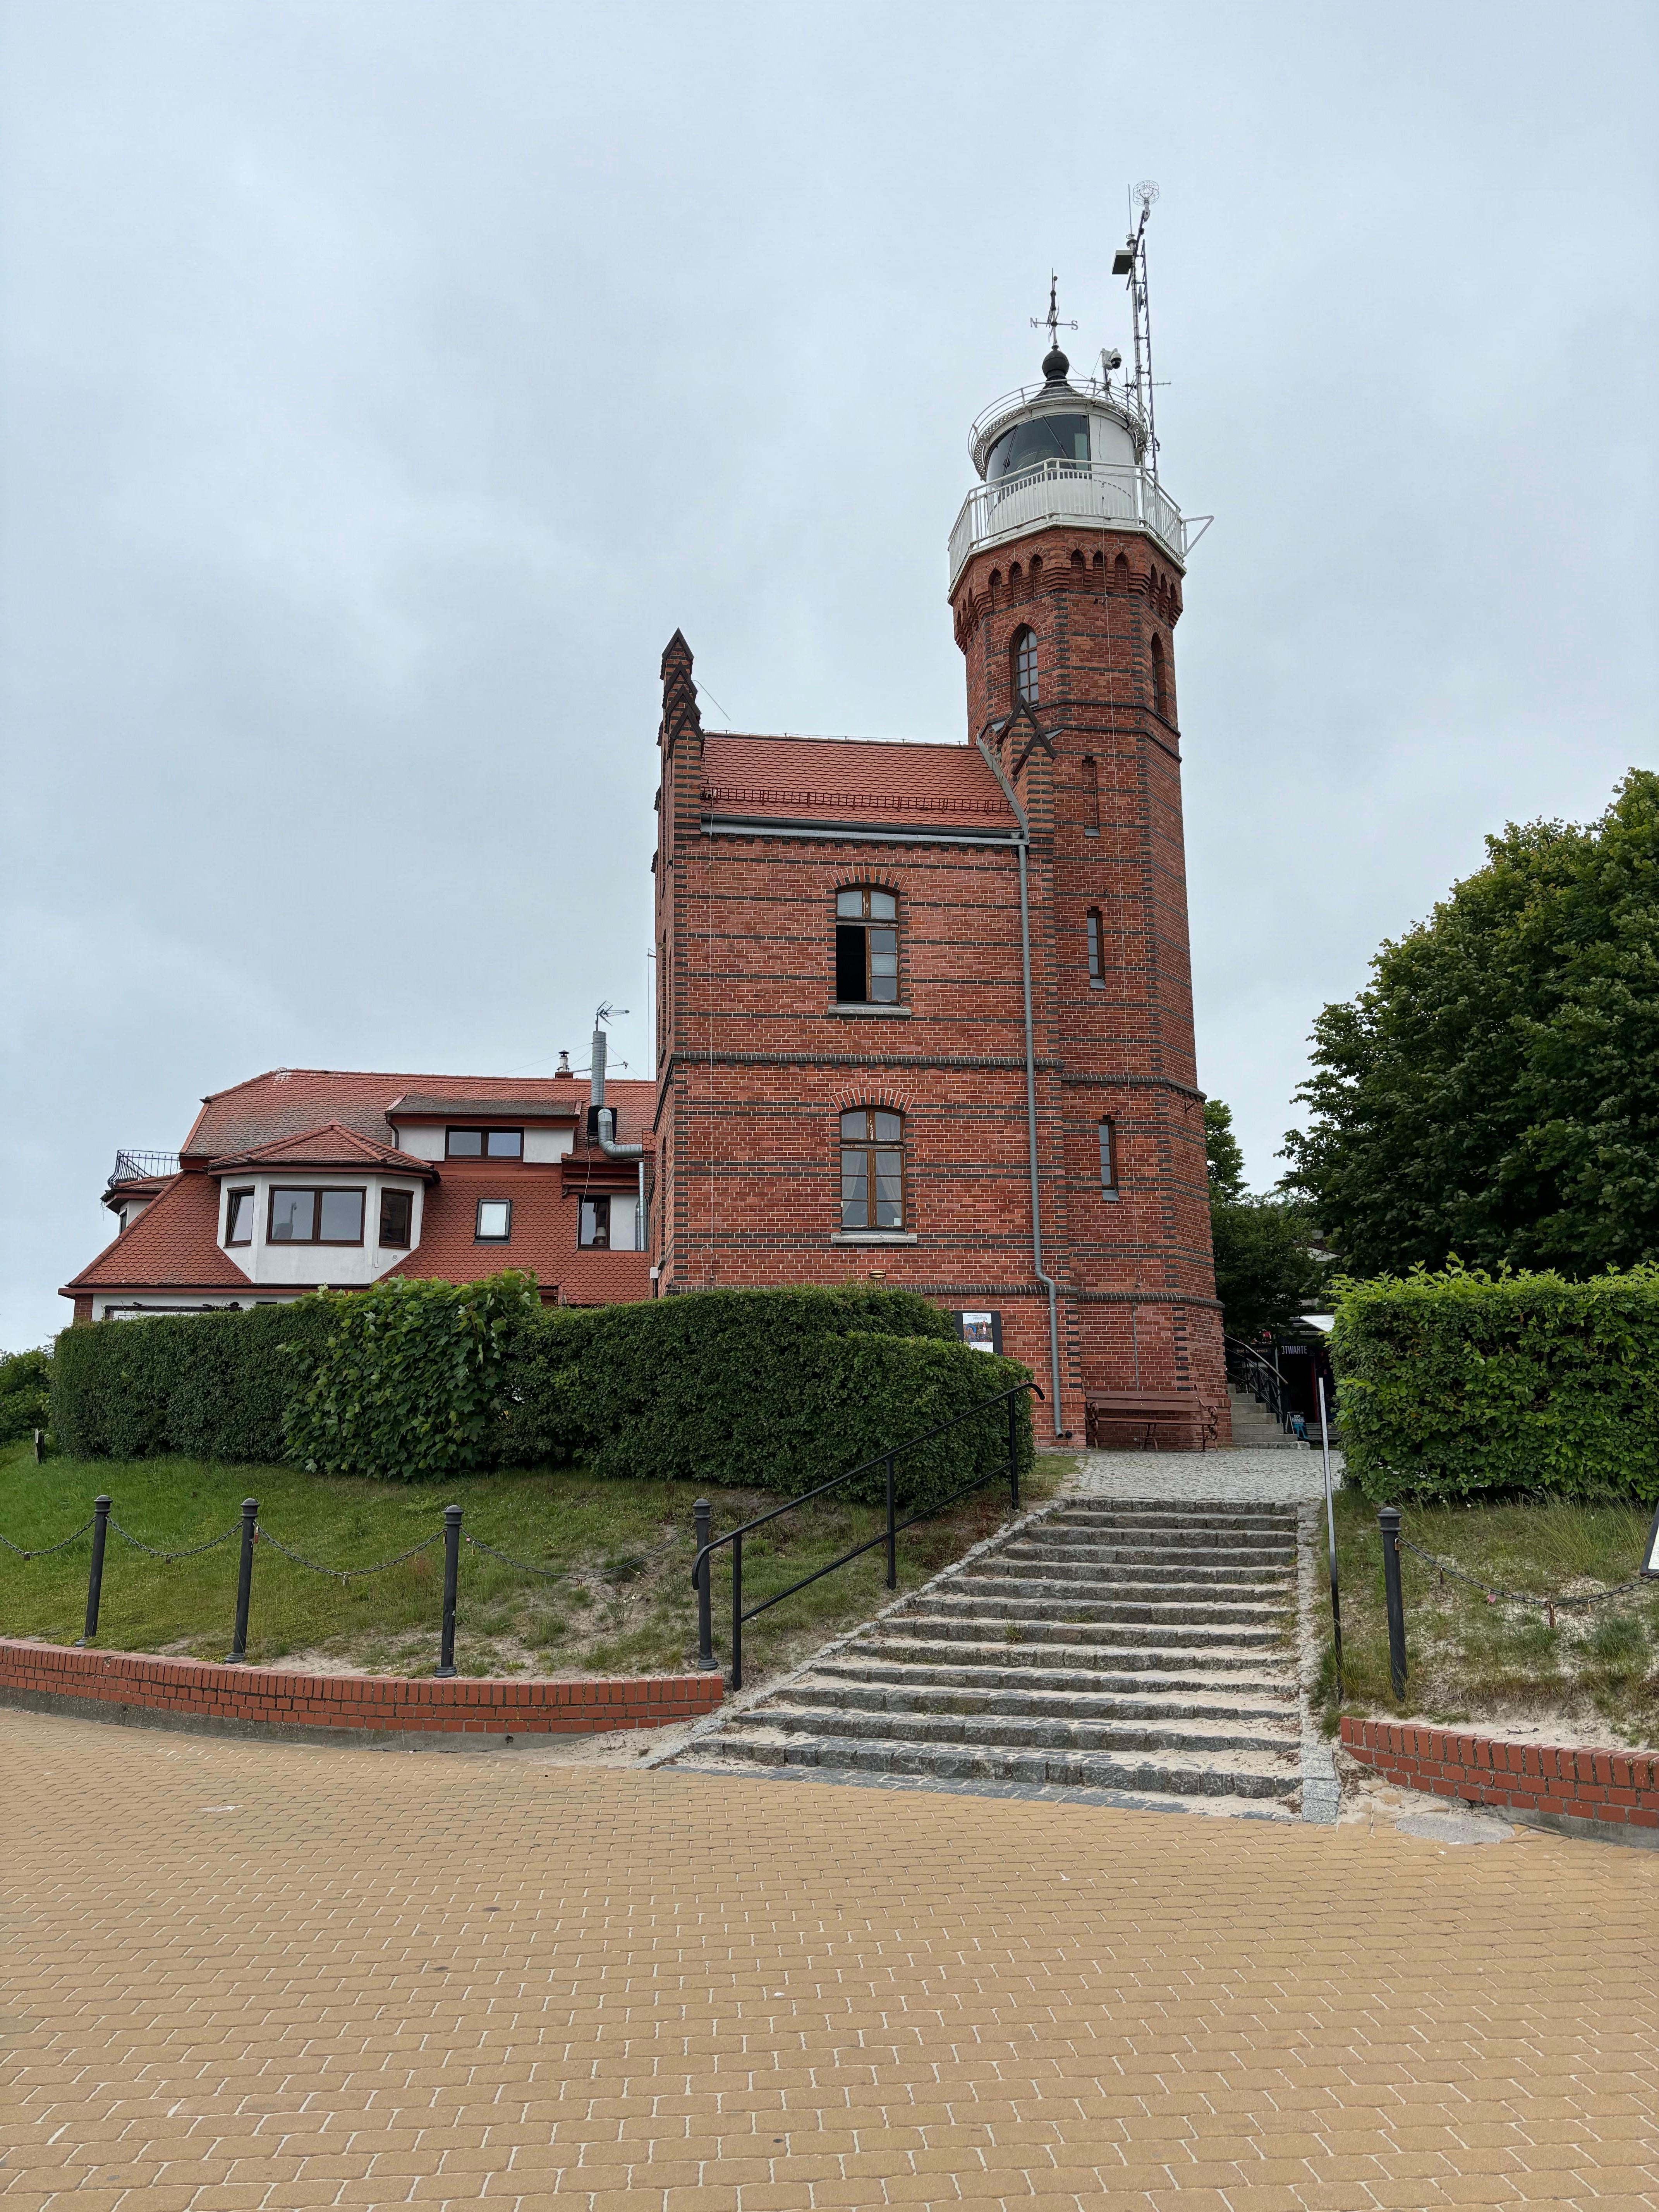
329 1146
291 1102
174 1245
855 781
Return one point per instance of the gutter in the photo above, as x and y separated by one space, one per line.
1047 1280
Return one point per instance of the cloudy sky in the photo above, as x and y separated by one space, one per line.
383 380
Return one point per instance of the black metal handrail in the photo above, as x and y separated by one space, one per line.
1246 1366
708 1545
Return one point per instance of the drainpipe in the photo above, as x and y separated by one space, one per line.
605 1120
1047 1280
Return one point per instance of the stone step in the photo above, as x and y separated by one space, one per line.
1088 1662
1159 1524
836 1691
1019 1600
1068 1564
1184 1778
1013 1732
1035 1628
918 1666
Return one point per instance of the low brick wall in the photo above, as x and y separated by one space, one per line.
1579 1790
265 1701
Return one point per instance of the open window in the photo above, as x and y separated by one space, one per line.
873 1169
866 947
239 1217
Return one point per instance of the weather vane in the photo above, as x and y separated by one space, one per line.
1051 321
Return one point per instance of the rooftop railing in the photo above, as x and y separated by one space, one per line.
142 1167
1098 492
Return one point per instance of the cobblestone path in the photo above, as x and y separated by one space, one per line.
245 1975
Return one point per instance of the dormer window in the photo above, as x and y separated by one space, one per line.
239 1217
484 1145
866 947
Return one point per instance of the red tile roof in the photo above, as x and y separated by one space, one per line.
291 1102
174 1245
853 780
332 1145
545 1214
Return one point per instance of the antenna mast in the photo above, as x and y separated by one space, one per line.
1130 261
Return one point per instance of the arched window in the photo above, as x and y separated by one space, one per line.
1097 947
1108 1159
873 1169
1023 668
1160 686
866 947
1090 796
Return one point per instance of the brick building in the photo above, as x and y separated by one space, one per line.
925 1011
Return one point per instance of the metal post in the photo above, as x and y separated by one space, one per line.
39 1446
451 1576
892 1533
1388 1520
95 1579
245 1580
703 1521
1330 1531
1014 1450
737 1613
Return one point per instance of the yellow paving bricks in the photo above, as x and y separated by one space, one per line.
268 1978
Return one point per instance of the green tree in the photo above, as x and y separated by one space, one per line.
25 1393
1265 1269
1494 1092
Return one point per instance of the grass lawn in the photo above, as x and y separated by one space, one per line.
1596 1671
618 1599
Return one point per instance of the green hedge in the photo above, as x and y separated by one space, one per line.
24 1393
206 1386
780 1390
1460 1382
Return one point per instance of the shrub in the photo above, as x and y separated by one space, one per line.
1460 1382
405 1381
206 1386
777 1389
25 1393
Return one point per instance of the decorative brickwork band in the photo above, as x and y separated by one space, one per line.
182 1691
1619 1788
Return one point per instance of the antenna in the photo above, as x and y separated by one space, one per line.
1130 261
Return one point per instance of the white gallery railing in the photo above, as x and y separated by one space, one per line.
1098 492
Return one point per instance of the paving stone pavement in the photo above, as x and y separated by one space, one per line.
263 1976
1223 1478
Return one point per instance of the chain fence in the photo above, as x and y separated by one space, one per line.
47 1550
191 1552
1550 1606
346 1574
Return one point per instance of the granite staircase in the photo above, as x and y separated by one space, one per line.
1147 1650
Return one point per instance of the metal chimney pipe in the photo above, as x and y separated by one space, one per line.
598 1096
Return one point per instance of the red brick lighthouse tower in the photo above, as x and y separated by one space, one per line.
1067 569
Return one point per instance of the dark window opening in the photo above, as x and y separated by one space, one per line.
1097 948
315 1217
397 1216
484 1145
871 1168
594 1234
1023 668
494 1225
866 948
239 1217
1108 1157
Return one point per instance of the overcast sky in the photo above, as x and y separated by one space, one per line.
383 380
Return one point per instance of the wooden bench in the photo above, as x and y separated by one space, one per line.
1142 1420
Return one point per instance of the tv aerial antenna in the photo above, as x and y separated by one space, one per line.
1130 261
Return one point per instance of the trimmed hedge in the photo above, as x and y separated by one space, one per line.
206 1386
1460 1382
777 1389
24 1393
